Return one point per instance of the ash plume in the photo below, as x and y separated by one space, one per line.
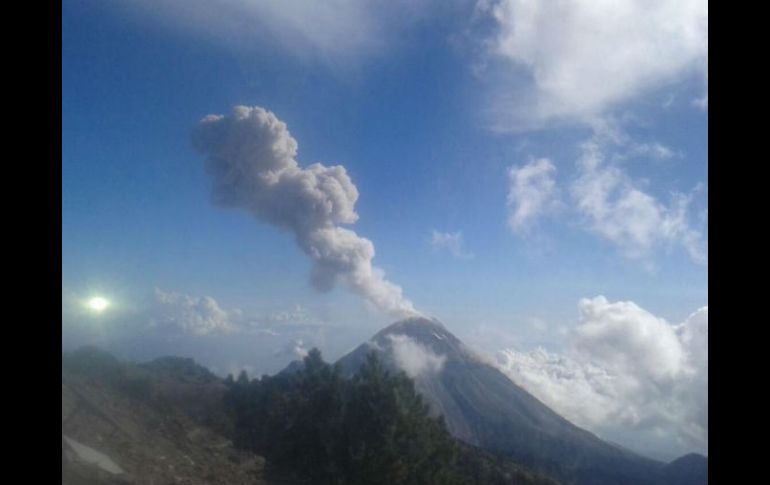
250 158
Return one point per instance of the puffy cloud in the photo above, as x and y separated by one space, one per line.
414 358
195 315
532 192
576 60
250 158
615 208
694 334
627 338
452 242
626 372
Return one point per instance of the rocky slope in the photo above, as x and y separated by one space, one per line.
146 425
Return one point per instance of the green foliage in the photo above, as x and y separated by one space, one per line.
314 426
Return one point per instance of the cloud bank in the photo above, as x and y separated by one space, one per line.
573 61
194 315
626 372
250 158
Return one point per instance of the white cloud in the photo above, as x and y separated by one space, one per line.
654 150
452 242
614 207
571 388
195 315
625 373
532 193
298 316
414 358
702 102
606 201
250 158
337 32
624 337
295 349
572 61
609 131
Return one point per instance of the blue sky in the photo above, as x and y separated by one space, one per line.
431 112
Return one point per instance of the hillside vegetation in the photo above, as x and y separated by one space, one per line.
314 426
171 421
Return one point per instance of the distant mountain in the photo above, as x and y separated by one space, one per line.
138 424
172 421
484 408
293 367
181 368
691 469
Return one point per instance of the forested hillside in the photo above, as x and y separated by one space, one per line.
314 426
173 421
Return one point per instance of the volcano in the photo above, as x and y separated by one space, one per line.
485 408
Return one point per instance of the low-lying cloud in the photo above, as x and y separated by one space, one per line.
195 315
415 359
250 158
625 372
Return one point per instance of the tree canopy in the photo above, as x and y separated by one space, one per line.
314 426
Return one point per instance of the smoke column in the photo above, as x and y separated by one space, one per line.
250 158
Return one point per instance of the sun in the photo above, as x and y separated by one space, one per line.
97 304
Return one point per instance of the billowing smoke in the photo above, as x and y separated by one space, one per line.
250 157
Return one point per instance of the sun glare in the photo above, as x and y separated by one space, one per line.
97 304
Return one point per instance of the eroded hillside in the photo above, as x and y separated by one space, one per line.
126 424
